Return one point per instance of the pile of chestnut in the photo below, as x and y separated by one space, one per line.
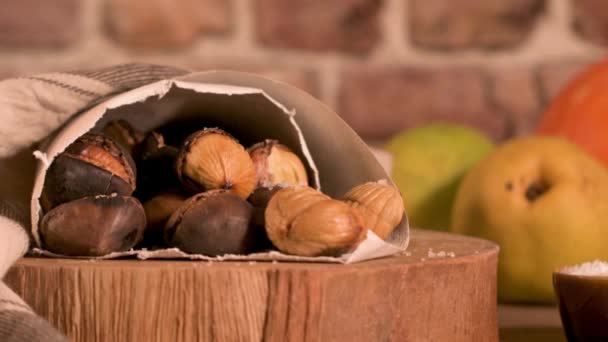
208 195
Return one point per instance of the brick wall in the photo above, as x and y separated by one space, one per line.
383 65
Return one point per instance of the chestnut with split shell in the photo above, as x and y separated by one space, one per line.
277 164
212 159
213 223
92 165
93 226
380 205
303 221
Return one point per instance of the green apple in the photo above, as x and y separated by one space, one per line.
545 202
428 164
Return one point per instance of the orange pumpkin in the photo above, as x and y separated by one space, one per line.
580 111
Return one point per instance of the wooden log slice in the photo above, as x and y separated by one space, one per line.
442 289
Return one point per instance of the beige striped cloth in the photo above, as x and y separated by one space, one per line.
31 108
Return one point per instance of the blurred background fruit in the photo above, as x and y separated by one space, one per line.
580 111
544 201
428 164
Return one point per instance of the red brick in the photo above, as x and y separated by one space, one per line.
380 103
591 20
35 23
303 79
320 25
515 91
553 76
450 24
165 23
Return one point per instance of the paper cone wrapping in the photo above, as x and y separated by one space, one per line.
252 109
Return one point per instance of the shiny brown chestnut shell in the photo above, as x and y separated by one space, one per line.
92 165
93 226
215 222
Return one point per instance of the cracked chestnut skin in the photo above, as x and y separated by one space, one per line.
276 164
93 226
303 221
213 223
213 159
92 165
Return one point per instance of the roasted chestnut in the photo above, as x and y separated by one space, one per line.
303 221
92 165
277 164
380 205
212 159
93 226
215 222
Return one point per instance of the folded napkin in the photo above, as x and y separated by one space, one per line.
32 108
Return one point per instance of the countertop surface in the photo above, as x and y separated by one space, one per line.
529 323
540 334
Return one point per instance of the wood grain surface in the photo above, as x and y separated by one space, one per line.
442 289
